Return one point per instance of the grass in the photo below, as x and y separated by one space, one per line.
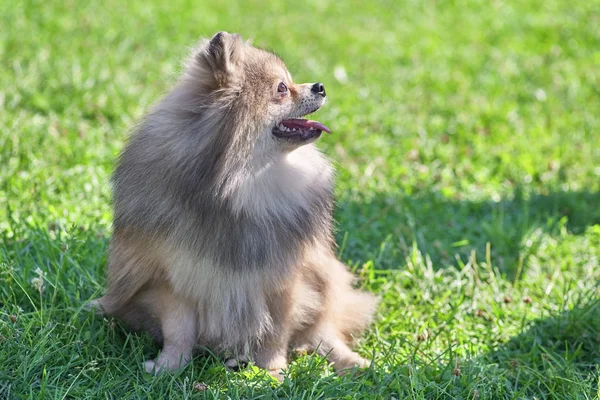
466 139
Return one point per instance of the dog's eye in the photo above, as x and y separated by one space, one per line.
282 88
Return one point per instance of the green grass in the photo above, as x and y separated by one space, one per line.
466 136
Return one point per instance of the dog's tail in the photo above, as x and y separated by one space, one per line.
133 264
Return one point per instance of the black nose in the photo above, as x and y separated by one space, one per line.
318 88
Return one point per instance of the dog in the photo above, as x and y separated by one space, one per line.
222 234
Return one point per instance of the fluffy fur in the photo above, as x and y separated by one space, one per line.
223 231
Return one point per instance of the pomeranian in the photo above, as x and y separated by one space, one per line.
223 220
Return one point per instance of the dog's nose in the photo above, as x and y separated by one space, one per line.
318 88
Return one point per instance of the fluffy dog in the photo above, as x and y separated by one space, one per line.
223 219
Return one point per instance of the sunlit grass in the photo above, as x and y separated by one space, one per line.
466 140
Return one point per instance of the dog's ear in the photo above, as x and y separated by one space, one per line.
216 62
224 52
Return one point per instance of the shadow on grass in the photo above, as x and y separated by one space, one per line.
550 356
554 352
383 227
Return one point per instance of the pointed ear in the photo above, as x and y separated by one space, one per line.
218 58
224 52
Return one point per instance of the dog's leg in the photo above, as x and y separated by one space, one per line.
272 355
179 325
272 352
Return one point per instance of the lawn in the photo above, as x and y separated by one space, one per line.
466 135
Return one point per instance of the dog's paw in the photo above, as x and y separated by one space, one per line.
167 361
346 366
362 363
235 364
95 305
277 373
154 367
300 351
151 367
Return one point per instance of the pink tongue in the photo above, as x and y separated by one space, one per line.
305 124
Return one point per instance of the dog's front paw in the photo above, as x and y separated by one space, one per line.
166 362
236 364
151 367
154 367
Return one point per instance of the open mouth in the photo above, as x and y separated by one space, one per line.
299 129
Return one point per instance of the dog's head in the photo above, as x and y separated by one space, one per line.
256 93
